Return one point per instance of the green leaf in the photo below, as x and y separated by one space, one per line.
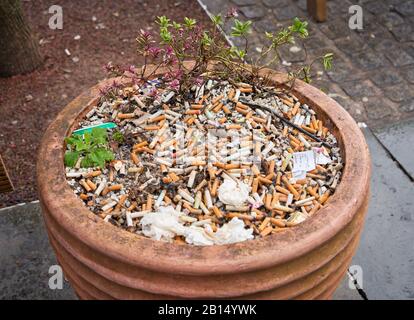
98 136
118 136
189 23
206 40
176 25
217 19
76 142
71 157
240 28
327 61
299 27
163 21
165 35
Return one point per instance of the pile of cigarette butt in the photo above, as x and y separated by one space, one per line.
224 164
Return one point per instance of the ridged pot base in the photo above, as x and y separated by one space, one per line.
307 261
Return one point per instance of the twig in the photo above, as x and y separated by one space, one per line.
254 105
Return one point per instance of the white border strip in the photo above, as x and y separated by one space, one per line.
18 205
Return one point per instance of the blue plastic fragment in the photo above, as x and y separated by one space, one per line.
106 125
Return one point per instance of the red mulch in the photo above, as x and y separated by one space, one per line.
59 80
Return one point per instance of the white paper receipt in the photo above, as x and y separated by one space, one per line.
304 161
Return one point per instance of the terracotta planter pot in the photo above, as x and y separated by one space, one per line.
307 261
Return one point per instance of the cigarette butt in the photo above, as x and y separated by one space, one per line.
214 188
115 187
275 199
93 174
226 109
271 166
268 201
91 184
283 208
242 111
246 90
192 111
152 128
278 222
198 163
316 206
295 108
191 209
231 166
264 223
266 231
290 187
255 185
322 199
309 129
320 168
167 200
264 180
150 201
255 170
125 115
211 172
83 196
278 177
85 185
157 119
121 202
219 165
240 215
197 106
174 177
217 212
312 192
259 120
134 158
233 126
139 145
216 99
105 191
282 190
218 107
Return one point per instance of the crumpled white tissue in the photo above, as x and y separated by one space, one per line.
233 193
165 225
232 232
198 237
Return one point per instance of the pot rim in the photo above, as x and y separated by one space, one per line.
56 195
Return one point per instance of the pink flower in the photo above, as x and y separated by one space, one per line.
153 92
131 68
232 13
174 85
145 34
153 52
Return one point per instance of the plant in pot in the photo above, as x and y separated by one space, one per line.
203 162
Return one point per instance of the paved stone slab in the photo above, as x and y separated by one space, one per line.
399 140
385 252
382 52
25 256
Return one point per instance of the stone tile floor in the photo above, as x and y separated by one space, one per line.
373 73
